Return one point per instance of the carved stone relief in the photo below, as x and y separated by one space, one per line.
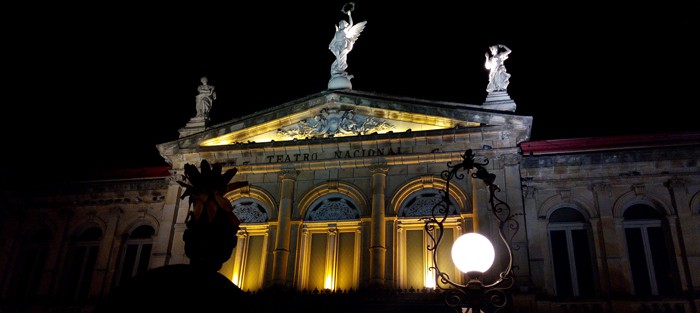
335 123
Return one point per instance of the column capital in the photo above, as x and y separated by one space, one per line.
677 183
601 187
288 173
528 191
379 168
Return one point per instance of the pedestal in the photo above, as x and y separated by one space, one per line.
499 100
339 82
195 125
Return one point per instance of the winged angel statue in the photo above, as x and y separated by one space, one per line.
346 33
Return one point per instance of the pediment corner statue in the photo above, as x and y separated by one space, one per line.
205 99
498 77
346 33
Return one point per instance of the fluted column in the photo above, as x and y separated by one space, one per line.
284 230
377 250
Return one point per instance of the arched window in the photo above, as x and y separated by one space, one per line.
80 265
650 255
136 253
330 245
572 254
30 265
414 260
246 266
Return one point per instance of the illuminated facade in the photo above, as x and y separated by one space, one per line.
339 182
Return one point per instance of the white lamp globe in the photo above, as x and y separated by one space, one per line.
473 252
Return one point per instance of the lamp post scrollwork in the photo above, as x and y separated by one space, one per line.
473 253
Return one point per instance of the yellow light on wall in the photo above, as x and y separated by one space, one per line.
329 282
473 252
430 279
235 279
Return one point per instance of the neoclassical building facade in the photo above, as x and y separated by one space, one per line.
339 185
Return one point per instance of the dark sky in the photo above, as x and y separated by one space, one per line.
101 85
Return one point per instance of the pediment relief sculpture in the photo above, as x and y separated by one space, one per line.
335 123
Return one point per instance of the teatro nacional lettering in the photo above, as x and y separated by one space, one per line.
357 153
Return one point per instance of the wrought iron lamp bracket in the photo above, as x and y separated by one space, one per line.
475 293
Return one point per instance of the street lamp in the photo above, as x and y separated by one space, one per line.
473 253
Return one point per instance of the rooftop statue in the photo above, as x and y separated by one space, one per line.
498 77
205 98
346 33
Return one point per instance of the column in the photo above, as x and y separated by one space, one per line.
377 250
612 259
102 274
166 230
179 209
55 260
682 223
281 253
512 195
601 261
116 243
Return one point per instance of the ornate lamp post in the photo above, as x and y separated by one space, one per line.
472 253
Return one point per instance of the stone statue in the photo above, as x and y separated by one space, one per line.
205 98
346 33
498 77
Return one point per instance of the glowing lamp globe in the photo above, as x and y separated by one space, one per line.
473 252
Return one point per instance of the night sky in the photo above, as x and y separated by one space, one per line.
99 86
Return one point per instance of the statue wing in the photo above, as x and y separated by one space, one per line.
354 31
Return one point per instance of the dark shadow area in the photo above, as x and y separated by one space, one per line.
176 288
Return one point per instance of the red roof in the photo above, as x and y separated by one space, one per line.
609 143
128 173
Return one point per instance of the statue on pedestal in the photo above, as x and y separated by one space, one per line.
346 33
498 77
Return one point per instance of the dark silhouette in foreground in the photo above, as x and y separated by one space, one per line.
209 239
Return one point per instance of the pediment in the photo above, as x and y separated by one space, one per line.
335 120
348 113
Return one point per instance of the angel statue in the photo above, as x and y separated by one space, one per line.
346 33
